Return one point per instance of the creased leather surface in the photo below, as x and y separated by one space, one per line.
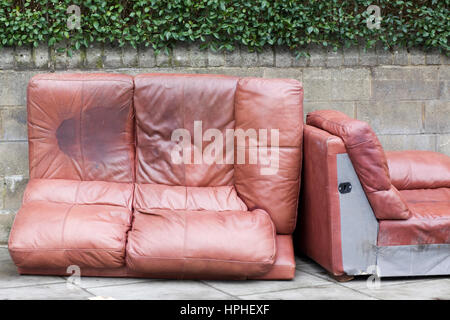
416 169
277 194
429 224
368 159
271 104
166 102
201 243
155 196
81 127
318 232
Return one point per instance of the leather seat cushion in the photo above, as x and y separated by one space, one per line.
429 223
206 243
49 234
83 224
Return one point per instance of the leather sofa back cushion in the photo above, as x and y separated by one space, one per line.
79 192
167 102
81 127
419 169
154 196
368 159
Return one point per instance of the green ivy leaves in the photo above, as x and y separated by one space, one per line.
223 24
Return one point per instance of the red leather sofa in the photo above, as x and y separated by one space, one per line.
366 211
105 194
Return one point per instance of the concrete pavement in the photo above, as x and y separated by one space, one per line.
311 282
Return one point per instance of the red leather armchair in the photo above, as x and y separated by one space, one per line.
367 211
105 193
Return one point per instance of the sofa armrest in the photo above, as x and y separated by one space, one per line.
318 230
418 169
337 228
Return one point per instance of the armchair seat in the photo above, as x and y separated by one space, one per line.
423 180
429 222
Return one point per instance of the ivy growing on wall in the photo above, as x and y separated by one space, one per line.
223 24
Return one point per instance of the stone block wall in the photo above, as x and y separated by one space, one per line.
403 95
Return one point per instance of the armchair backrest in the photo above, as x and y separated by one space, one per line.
418 169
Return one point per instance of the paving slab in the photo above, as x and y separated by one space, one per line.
10 278
4 255
327 292
58 291
162 290
95 282
311 267
360 282
237 288
437 289
311 282
302 260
